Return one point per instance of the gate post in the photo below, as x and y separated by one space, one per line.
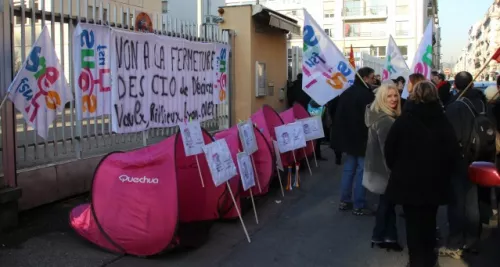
9 192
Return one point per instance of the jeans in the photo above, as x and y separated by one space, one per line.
421 234
385 222
463 211
353 173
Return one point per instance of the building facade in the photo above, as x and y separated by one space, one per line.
484 39
364 24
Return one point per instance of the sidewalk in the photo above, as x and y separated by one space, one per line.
304 229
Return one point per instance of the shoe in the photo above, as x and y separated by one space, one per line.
345 206
362 212
470 249
452 253
393 246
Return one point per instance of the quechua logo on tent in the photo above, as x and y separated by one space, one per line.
138 180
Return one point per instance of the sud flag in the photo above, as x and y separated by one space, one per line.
39 89
395 64
422 62
327 73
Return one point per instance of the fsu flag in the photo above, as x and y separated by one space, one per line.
351 59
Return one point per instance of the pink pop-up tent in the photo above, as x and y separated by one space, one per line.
263 157
266 119
298 112
150 199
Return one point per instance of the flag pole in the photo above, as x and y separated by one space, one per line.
4 99
496 55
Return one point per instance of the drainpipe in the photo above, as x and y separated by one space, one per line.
199 16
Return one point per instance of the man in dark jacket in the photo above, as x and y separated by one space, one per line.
296 94
351 136
332 108
463 210
444 88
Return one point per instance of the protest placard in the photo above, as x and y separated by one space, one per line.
246 171
290 137
313 128
159 81
247 136
220 161
192 137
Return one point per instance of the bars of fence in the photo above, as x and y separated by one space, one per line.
71 139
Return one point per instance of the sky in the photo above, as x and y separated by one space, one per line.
455 26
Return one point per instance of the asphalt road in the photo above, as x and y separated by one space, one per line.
303 229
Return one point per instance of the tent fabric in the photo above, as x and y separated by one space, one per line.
266 119
235 182
150 199
298 112
263 158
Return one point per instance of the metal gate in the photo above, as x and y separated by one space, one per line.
70 139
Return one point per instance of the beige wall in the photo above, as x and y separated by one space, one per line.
270 48
250 47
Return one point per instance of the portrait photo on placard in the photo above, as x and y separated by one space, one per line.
246 170
220 162
290 137
313 128
247 136
279 163
192 137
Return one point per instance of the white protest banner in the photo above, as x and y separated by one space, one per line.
422 62
221 79
327 73
246 170
279 163
313 128
220 161
92 70
40 89
395 64
159 81
247 136
192 137
290 137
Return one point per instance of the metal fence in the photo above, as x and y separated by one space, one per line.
70 138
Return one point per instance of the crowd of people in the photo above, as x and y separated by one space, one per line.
413 152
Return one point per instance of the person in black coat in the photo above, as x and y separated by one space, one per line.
296 94
421 152
350 135
463 211
331 108
444 88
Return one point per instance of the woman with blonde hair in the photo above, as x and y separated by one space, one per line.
379 117
421 151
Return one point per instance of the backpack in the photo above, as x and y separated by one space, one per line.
481 146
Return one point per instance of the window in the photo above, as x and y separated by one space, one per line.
329 28
164 6
377 51
368 29
403 50
402 7
328 13
402 28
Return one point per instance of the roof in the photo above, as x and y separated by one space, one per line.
276 19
